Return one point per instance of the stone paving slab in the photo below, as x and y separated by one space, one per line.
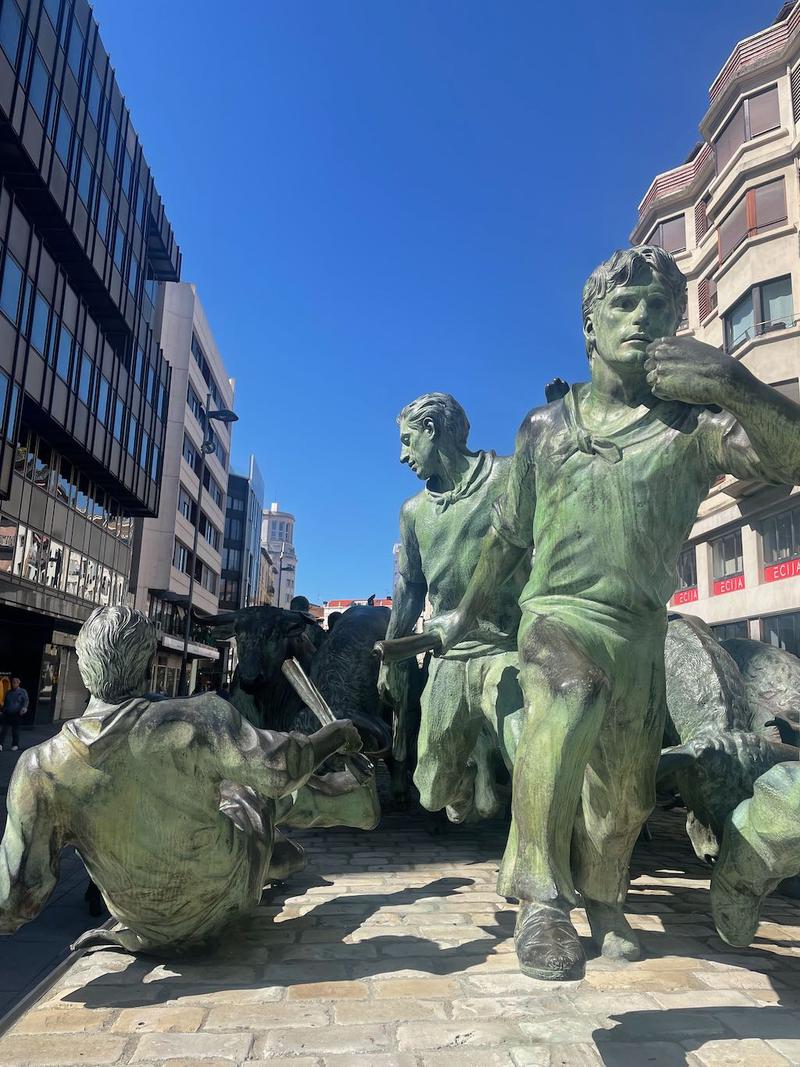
409 962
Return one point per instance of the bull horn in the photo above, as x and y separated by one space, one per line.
224 618
376 729
674 759
782 753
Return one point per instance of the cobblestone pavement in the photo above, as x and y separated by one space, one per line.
393 950
28 956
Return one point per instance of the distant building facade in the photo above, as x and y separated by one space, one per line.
241 557
730 215
266 578
329 606
277 533
165 542
84 244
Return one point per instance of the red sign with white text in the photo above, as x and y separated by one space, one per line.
789 568
685 596
729 585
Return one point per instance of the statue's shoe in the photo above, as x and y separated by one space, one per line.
547 944
735 908
611 931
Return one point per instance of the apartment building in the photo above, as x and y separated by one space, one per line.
199 383
84 244
731 216
277 535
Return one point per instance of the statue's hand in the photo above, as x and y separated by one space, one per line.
450 628
681 368
349 737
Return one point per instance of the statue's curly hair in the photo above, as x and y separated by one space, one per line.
443 410
115 647
619 268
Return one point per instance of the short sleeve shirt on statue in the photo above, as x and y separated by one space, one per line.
609 514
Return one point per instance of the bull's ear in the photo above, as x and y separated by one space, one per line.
674 759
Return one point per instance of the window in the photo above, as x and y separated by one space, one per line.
214 491
52 8
112 135
39 84
119 413
783 631
75 51
10 29
102 399
133 275
706 297
65 486
95 95
687 568
764 308
726 553
186 506
191 454
756 114
144 450
64 353
85 179
760 209
11 288
196 408
155 460
85 382
232 559
233 529
180 557
103 208
64 136
670 235
119 248
133 434
209 532
127 169
781 536
725 631
229 591
42 464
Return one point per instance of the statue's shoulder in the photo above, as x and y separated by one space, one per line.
541 421
410 507
196 712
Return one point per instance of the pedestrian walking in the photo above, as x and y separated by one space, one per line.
15 706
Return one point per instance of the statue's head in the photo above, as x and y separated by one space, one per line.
635 297
430 425
115 649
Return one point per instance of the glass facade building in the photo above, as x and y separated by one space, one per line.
241 554
84 387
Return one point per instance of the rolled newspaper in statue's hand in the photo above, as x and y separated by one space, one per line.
394 650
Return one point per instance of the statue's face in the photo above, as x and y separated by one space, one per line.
628 319
418 448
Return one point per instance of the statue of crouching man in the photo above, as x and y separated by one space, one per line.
172 805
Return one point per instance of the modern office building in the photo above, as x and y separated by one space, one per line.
84 243
277 534
731 214
241 554
166 541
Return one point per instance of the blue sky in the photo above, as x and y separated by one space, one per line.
378 198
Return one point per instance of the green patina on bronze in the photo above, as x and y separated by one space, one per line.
606 482
472 693
172 805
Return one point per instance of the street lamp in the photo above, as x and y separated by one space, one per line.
221 415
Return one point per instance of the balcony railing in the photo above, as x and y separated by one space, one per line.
752 50
673 181
759 329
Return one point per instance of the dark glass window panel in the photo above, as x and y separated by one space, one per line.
42 463
127 170
65 487
143 451
764 112
725 631
75 50
64 353
27 290
5 382
95 96
783 631
138 364
41 313
119 247
670 235
154 461
148 389
112 135
10 29
141 207
64 136
102 399
52 8
770 204
119 412
85 179
133 274
39 84
25 58
103 209
85 384
133 433
733 230
11 288
82 494
781 536
729 139
163 401
687 569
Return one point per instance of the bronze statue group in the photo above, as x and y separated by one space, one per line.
548 573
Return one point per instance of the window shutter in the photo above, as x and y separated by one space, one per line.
700 221
794 82
704 299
